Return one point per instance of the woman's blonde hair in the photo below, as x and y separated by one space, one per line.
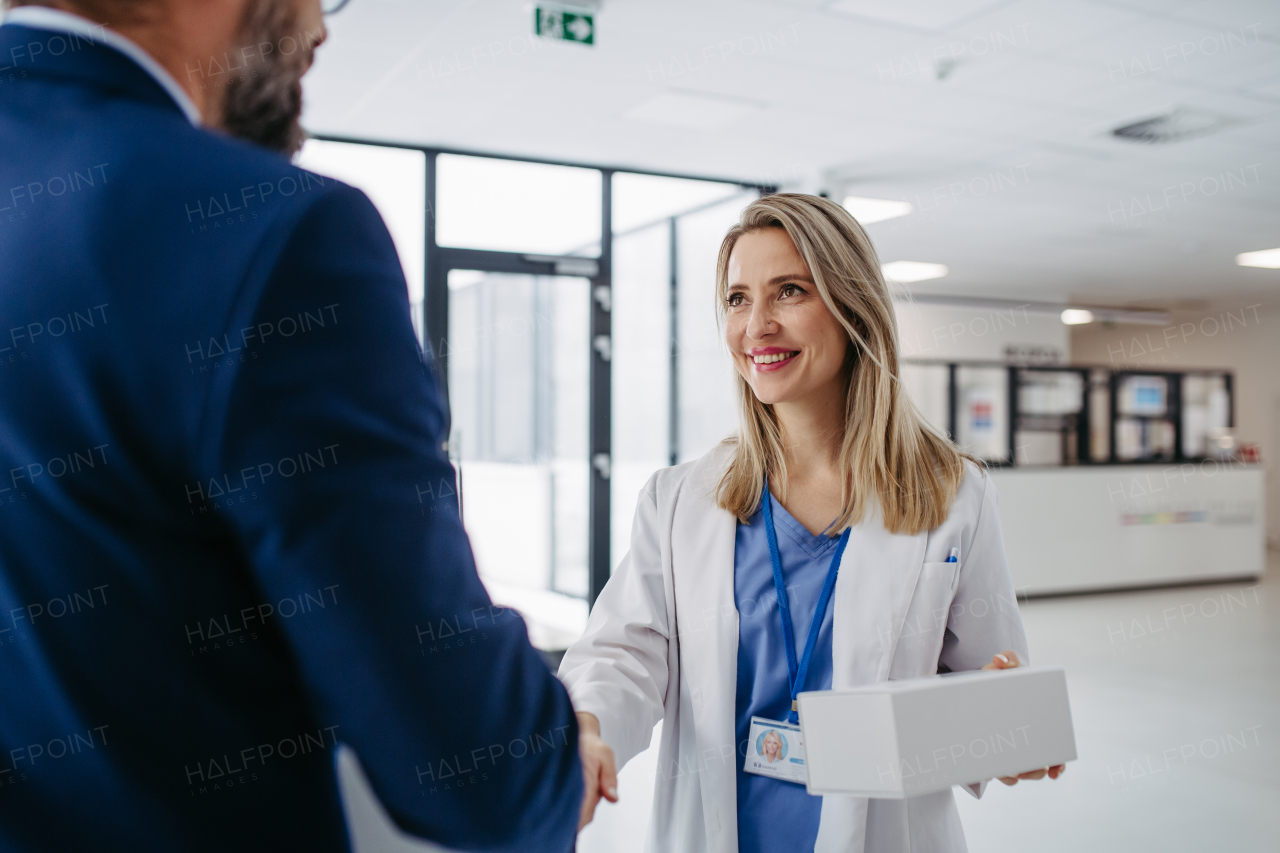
889 453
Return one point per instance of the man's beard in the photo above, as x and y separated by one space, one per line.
264 102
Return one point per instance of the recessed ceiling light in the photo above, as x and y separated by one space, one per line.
680 109
1267 259
907 271
868 210
1077 316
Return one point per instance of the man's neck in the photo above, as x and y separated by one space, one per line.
181 37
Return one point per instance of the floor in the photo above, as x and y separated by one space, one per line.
1176 702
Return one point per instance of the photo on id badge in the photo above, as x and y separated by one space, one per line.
775 749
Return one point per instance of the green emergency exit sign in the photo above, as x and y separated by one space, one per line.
562 24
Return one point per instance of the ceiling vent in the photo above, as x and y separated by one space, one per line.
1173 126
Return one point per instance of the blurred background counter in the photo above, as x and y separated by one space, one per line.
1108 479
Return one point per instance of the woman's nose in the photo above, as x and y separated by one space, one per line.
761 322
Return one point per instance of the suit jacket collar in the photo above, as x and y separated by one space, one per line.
104 60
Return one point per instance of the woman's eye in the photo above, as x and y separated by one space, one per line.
735 299
791 290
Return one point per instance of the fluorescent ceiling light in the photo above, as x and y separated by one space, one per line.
907 271
1100 315
926 14
698 112
1077 316
868 210
1267 259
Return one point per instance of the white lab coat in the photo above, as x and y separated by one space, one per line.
662 644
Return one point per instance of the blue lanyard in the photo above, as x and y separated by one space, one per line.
796 672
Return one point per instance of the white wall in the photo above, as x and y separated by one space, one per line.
956 333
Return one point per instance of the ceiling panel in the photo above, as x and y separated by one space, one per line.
993 118
1037 26
1229 16
932 15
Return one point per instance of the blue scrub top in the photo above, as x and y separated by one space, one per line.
773 815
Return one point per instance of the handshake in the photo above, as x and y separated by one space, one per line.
600 774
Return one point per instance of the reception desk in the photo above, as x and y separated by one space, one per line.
1106 527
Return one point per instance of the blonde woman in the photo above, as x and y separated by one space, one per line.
772 747
836 541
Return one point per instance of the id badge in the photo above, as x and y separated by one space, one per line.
775 749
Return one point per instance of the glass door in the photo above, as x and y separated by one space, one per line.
518 358
517 283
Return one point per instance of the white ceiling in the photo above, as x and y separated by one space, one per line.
845 96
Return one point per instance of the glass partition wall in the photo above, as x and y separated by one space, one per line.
1031 415
570 316
675 397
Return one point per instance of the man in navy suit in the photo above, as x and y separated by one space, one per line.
229 539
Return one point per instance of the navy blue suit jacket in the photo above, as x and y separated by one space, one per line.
229 539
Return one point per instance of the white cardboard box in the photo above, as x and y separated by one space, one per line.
899 739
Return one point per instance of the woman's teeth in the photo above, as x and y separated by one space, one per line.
770 359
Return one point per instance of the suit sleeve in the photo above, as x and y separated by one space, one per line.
466 736
984 618
617 670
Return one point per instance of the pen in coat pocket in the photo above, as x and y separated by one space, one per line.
955 556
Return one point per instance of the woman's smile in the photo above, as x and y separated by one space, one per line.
766 359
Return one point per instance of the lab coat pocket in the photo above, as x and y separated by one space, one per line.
938 573
921 639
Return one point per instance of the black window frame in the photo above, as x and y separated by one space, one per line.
434 322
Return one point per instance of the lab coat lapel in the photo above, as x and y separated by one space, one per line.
878 576
703 537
